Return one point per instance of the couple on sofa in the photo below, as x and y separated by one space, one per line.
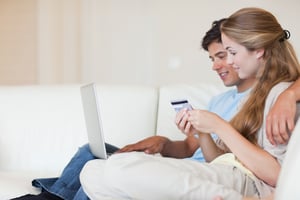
244 156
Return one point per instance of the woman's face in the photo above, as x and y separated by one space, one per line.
246 63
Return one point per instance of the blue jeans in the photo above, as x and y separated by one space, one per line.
68 186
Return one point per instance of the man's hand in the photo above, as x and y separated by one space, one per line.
151 145
280 119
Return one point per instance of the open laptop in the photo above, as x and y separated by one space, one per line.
93 120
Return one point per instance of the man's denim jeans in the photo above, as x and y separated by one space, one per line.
68 186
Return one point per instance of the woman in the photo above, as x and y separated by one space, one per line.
247 163
256 43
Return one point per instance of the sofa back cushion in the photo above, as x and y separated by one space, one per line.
41 127
128 113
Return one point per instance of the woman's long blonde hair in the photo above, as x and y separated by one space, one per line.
256 28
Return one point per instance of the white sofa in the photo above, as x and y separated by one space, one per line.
41 127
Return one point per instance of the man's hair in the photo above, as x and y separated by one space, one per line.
213 34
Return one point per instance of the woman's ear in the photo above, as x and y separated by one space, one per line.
260 53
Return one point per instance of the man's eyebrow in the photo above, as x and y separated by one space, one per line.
227 48
220 53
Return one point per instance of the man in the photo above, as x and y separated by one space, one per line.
225 104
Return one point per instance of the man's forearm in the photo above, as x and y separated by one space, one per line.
180 149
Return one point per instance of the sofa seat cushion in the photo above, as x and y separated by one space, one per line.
17 183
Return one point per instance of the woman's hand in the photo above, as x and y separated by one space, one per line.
204 121
182 122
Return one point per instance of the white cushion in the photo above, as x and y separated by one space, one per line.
128 113
17 183
41 127
287 187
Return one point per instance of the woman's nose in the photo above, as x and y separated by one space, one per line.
229 60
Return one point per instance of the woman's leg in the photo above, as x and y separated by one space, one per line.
270 197
140 176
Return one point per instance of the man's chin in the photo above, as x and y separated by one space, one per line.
229 84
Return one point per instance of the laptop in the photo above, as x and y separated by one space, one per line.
93 121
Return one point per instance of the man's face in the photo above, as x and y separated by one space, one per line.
218 56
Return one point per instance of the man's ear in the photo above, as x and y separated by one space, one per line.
260 53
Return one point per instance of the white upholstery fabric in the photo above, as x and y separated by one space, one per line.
38 125
287 187
128 113
41 128
18 183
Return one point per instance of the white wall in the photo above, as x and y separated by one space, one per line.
18 42
137 41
